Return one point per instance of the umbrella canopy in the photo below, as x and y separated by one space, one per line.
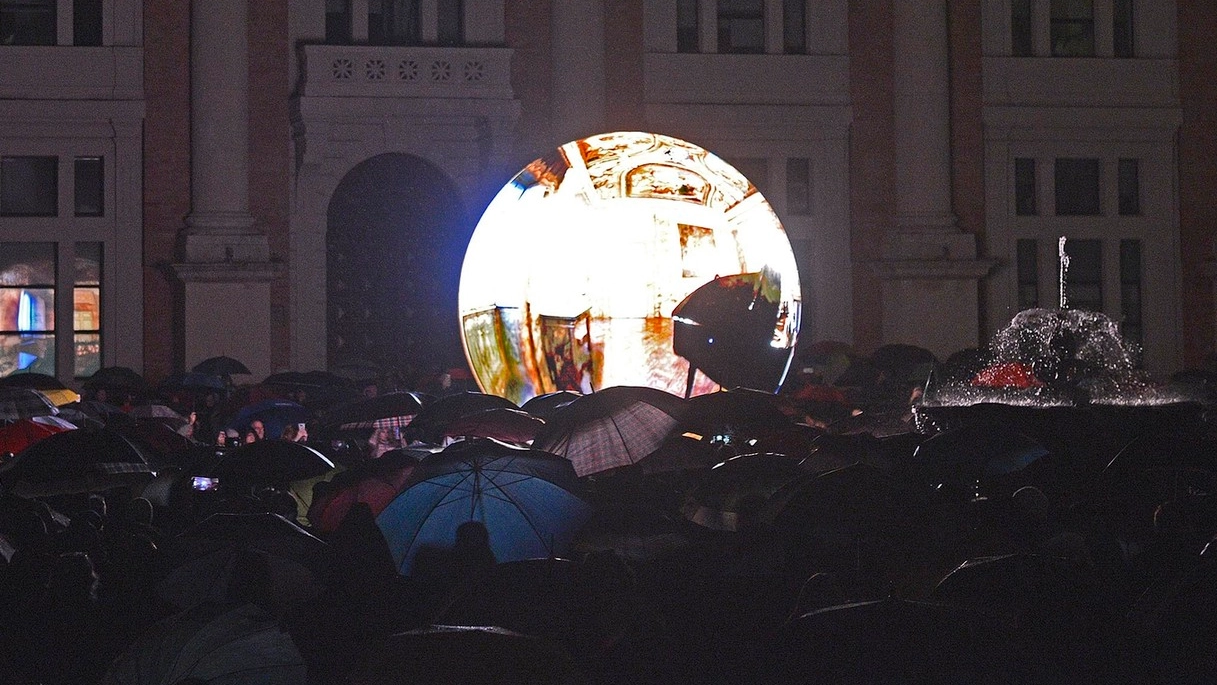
973 453
102 412
30 379
115 377
193 380
527 499
23 403
206 560
739 488
428 425
725 329
465 654
81 460
275 414
222 645
16 436
886 641
221 366
610 428
159 411
737 413
374 482
270 462
509 425
904 363
543 406
364 412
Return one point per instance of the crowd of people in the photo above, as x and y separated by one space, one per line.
874 572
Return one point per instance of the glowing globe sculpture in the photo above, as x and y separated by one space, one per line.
628 259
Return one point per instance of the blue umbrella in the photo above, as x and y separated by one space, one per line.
526 499
274 414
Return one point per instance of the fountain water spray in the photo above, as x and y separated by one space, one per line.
1064 270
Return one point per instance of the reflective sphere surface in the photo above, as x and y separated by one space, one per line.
574 273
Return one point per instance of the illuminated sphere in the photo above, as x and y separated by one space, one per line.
572 274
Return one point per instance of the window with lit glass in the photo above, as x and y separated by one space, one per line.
86 309
27 308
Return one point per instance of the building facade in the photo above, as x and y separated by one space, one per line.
292 182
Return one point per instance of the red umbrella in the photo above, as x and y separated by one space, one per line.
1007 375
374 482
22 433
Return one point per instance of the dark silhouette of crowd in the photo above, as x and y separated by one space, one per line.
869 567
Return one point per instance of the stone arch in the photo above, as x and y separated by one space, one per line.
396 233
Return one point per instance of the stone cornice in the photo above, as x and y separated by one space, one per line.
227 272
932 269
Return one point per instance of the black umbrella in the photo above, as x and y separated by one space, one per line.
115 377
37 381
362 413
544 405
80 460
725 329
207 559
23 403
270 462
886 641
221 366
734 413
460 654
428 424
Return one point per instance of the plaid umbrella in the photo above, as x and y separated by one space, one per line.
612 427
23 403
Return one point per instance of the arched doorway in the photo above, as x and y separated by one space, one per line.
395 239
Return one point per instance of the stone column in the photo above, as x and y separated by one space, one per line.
929 266
578 85
227 269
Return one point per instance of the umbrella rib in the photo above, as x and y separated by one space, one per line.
436 505
531 523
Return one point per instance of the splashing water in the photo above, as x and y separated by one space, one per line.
1063 258
1069 356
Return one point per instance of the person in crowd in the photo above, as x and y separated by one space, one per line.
295 432
258 428
383 439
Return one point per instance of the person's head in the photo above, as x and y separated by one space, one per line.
250 437
258 428
295 432
222 438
